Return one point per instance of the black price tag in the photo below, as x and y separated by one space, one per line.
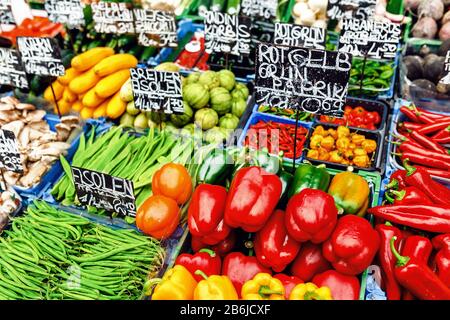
310 80
264 9
111 17
446 73
346 9
103 191
12 72
41 56
227 33
155 28
157 90
371 38
68 12
9 152
6 16
294 35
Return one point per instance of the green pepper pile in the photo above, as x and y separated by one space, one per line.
377 77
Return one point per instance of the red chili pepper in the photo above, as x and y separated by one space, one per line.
415 247
387 259
418 278
432 115
422 217
410 195
445 140
289 282
421 159
409 147
435 172
422 180
428 143
343 287
443 134
410 114
434 127
409 126
205 260
442 258
397 180
309 262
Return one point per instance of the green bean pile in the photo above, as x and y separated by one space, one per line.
52 254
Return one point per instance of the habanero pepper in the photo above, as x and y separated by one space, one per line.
252 197
418 278
309 262
289 282
442 258
205 260
274 248
343 287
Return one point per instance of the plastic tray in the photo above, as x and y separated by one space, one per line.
376 163
255 117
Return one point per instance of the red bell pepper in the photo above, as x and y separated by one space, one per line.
222 248
309 262
289 282
442 258
397 180
343 287
252 197
311 215
415 247
205 260
206 214
410 195
387 259
352 245
274 248
418 278
241 268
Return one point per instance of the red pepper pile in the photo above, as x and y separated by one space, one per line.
36 27
423 139
276 137
356 117
410 268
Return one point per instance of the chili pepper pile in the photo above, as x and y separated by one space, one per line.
36 27
288 113
356 117
340 145
276 137
423 140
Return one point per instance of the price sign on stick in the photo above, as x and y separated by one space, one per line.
103 191
360 9
225 33
446 73
309 80
158 91
41 56
6 16
68 12
111 17
155 28
9 152
12 72
299 36
371 38
265 9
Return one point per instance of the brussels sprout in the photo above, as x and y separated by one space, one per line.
127 120
206 118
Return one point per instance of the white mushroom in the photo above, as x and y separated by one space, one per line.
25 106
10 100
15 126
24 137
41 126
6 107
35 116
36 171
63 131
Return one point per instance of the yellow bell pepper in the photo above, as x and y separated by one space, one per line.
177 284
309 291
263 287
350 192
215 288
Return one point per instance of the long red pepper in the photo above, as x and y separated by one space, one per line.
397 180
442 258
436 172
410 114
434 127
444 133
416 247
428 143
418 278
421 159
432 115
410 195
419 178
408 147
387 259
410 125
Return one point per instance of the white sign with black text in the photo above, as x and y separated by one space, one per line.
294 35
111 17
12 72
155 28
67 12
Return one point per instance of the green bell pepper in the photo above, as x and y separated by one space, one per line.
286 181
309 176
216 167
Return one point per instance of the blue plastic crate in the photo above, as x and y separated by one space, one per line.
257 116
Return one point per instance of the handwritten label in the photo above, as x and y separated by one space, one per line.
376 39
446 73
68 12
266 9
12 72
157 90
227 34
360 9
111 17
6 16
155 28
311 80
103 191
299 36
9 152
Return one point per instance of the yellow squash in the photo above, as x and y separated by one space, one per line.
112 83
69 96
77 105
86 113
91 99
90 58
84 82
116 107
59 90
115 63
71 74
100 111
64 107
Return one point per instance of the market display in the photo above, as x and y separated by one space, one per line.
152 188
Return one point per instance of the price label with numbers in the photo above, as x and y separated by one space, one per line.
9 152
346 9
446 73
155 28
12 71
68 12
371 38
41 56
103 191
111 17
293 35
263 9
6 15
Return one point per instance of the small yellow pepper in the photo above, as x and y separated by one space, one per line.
358 139
332 132
369 145
313 154
348 154
315 142
263 287
343 132
319 130
177 284
359 152
215 288
323 154
361 161
335 156
352 146
309 291
327 143
342 143
345 162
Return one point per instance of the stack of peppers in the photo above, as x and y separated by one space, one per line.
412 265
303 249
